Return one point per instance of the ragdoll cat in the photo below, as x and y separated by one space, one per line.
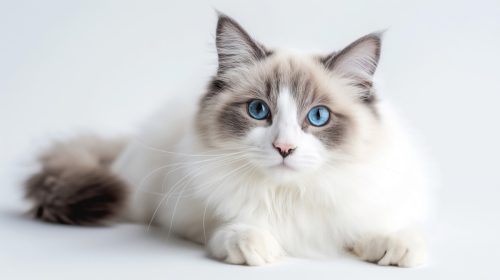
284 154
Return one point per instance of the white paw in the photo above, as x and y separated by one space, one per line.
242 244
404 249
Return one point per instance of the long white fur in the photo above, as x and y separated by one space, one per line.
219 198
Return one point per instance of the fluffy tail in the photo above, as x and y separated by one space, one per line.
75 184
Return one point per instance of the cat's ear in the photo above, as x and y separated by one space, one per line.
234 46
357 61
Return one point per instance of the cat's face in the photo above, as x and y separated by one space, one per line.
288 114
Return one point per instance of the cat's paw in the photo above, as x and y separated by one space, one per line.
242 244
404 249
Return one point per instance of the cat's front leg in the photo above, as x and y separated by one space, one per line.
244 244
403 248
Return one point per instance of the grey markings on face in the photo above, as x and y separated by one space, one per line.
233 121
308 94
223 113
334 134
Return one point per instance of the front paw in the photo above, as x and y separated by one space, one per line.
242 244
404 249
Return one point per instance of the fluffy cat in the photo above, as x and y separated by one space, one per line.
284 154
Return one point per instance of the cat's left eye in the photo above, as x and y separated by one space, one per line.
318 116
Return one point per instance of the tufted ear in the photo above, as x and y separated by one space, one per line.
358 60
234 46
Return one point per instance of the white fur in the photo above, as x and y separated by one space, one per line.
248 205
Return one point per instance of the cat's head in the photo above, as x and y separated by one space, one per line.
289 114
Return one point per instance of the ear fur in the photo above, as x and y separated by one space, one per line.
234 46
358 61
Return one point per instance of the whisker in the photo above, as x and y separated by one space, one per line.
182 164
139 188
166 197
204 186
206 154
205 210
200 189
171 191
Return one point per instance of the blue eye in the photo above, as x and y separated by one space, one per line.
318 116
258 109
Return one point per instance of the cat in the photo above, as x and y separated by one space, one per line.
285 154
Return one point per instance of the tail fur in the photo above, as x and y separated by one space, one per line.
75 184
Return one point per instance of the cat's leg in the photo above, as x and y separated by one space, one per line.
404 248
244 244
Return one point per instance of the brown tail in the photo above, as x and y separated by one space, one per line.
75 184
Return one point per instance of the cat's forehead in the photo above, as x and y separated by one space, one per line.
302 78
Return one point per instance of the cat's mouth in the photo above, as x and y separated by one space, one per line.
284 166
283 172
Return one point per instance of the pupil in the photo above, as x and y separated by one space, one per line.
318 114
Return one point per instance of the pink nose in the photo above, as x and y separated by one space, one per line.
284 149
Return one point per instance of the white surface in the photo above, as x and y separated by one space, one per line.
68 66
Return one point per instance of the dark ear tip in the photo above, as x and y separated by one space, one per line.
377 36
220 14
379 33
223 19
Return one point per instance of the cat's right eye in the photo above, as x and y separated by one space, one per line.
258 109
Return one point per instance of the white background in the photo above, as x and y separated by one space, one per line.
71 66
